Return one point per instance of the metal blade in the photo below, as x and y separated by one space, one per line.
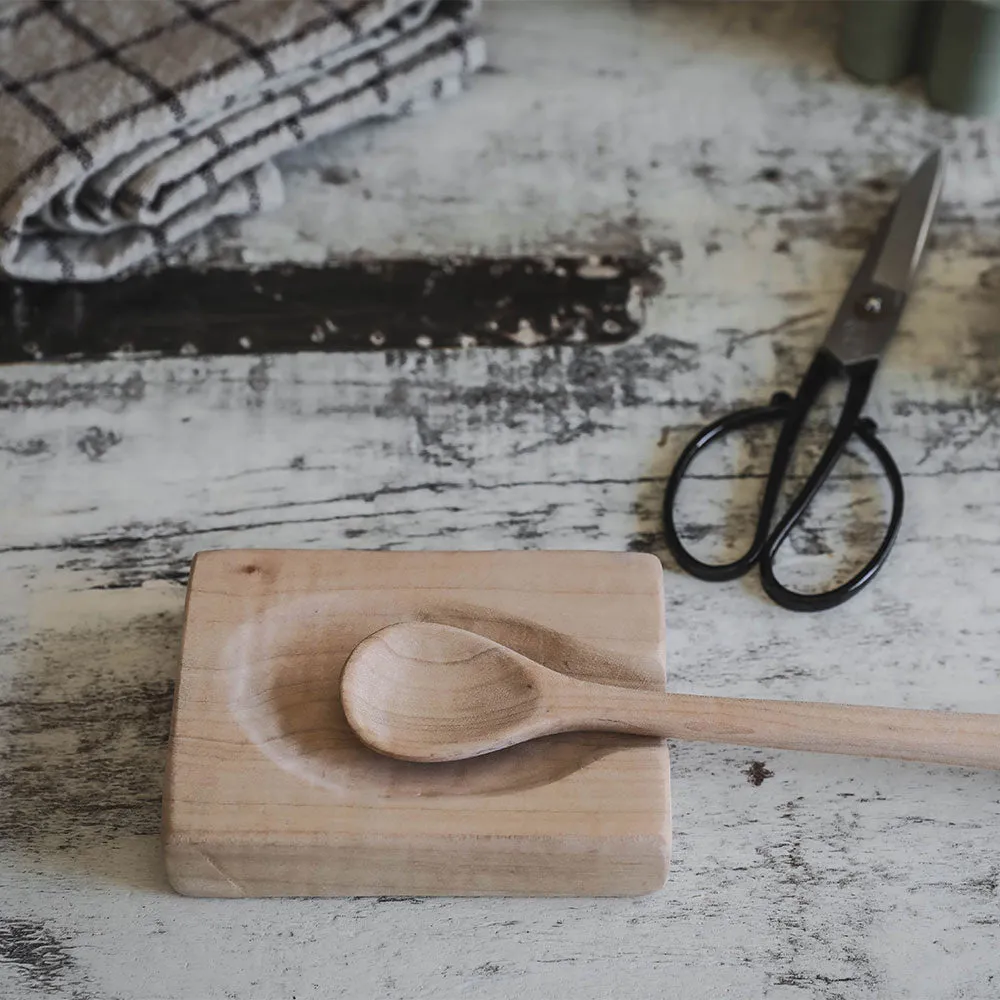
911 222
871 309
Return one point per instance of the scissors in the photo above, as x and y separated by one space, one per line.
864 324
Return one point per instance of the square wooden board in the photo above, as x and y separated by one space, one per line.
268 793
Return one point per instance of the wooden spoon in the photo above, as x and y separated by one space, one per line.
422 691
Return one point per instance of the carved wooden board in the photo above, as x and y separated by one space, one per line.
269 793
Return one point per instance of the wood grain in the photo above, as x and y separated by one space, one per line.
723 138
270 793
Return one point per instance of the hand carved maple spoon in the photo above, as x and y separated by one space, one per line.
422 691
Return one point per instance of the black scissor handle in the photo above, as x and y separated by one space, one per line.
766 542
792 600
777 409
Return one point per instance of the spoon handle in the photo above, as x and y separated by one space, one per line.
961 739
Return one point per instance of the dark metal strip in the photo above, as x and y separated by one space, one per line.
348 306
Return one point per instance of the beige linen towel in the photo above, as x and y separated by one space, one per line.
128 125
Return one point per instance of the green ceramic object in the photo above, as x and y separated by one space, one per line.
963 74
953 44
878 38
927 32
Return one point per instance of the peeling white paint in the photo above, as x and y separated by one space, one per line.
610 126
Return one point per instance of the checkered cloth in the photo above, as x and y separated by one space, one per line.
126 127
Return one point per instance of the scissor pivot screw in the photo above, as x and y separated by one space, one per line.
871 305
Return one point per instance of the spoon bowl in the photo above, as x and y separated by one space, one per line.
422 691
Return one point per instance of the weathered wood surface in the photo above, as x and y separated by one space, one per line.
725 140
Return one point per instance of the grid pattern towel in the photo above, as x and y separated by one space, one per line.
126 127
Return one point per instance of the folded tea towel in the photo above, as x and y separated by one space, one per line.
126 127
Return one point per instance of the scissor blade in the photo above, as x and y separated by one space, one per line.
912 216
870 312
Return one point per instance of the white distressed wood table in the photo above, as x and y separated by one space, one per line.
725 140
